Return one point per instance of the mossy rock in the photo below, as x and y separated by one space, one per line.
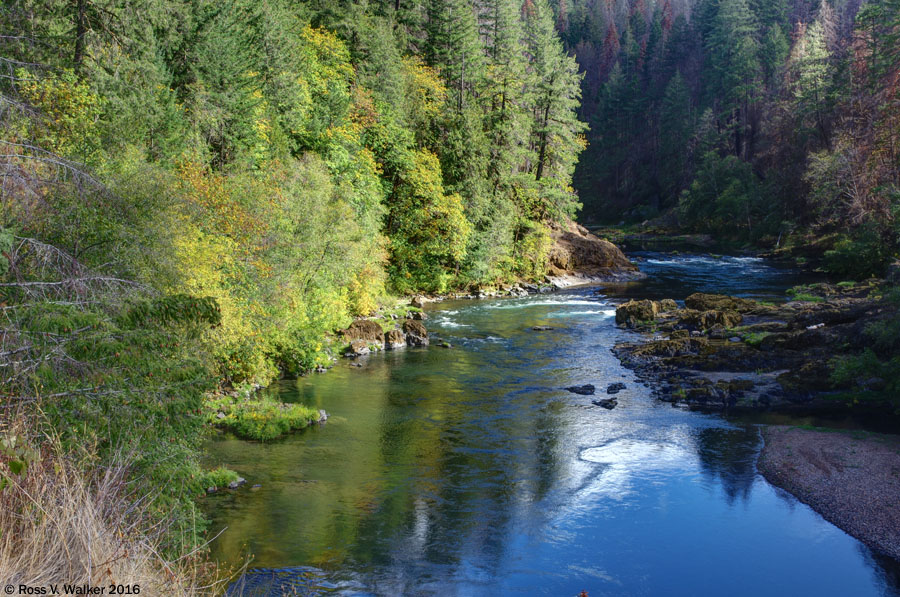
645 310
700 301
366 330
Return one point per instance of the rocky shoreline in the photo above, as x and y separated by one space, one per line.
851 478
723 352
577 257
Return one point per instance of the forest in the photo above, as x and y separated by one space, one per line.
197 195
755 120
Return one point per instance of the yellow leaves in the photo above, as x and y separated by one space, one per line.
220 209
330 50
425 87
69 110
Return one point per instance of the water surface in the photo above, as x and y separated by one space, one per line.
470 471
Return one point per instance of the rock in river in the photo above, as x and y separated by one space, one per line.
585 390
645 310
615 388
367 330
607 403
416 334
394 339
357 348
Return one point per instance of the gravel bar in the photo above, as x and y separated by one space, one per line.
851 478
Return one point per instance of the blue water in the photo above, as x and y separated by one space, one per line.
470 471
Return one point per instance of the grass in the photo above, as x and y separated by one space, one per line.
258 417
61 524
755 338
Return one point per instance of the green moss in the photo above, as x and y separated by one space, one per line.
807 298
755 338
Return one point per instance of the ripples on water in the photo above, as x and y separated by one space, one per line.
470 471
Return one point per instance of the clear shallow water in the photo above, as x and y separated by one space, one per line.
469 471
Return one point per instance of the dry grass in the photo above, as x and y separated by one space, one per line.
59 525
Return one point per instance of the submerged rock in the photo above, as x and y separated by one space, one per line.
542 328
607 403
585 390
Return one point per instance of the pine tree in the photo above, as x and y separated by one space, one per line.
734 71
556 130
676 124
453 46
812 73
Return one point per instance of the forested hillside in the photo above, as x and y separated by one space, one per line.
749 119
294 161
196 194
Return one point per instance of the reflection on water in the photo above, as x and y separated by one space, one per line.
470 471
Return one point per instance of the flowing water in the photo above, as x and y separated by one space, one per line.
470 471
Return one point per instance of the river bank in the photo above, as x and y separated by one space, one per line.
851 478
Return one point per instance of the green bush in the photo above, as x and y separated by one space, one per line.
860 256
218 477
258 418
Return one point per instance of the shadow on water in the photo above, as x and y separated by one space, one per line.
470 471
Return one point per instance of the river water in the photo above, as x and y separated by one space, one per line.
470 471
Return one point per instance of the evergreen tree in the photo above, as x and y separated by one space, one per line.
734 71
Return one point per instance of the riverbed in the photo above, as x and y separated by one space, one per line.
472 471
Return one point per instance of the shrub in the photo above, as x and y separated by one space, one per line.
258 418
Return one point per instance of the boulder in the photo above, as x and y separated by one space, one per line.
576 250
666 305
394 339
671 348
700 301
615 388
420 315
717 332
585 390
705 320
235 484
357 348
645 310
542 328
366 330
416 334
607 403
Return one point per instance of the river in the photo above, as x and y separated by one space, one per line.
470 471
